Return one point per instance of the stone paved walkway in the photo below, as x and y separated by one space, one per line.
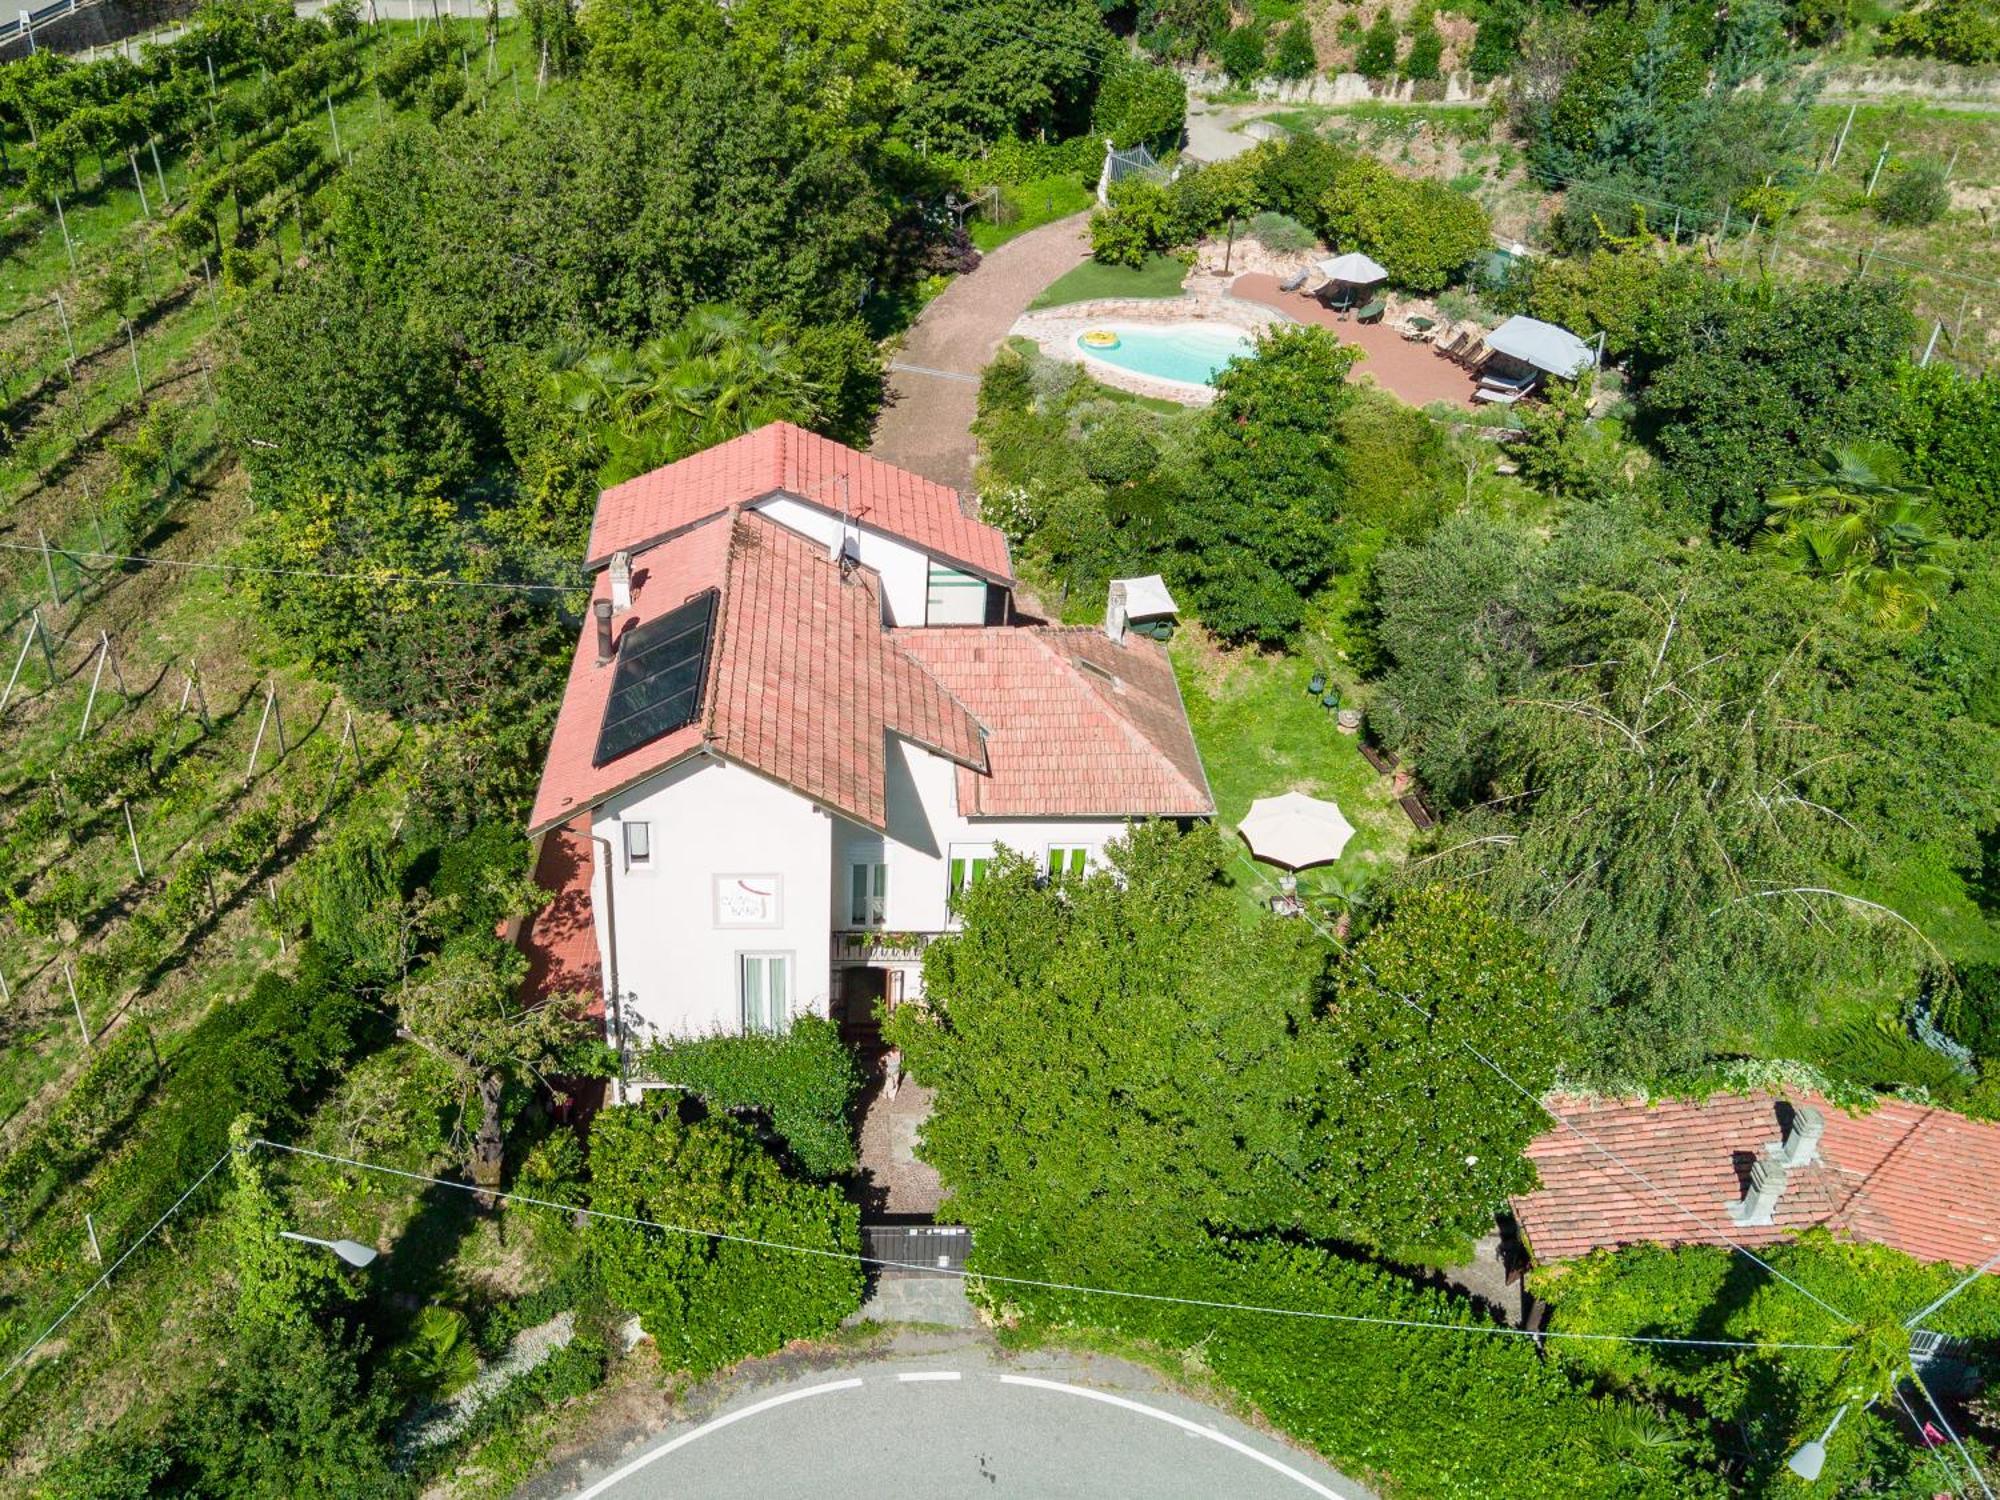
934 382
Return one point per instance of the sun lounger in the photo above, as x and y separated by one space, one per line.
1498 398
1452 347
1296 280
1507 382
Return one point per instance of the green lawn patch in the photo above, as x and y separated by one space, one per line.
1160 276
1261 734
1030 205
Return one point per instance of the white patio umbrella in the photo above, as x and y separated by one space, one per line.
1295 830
1353 267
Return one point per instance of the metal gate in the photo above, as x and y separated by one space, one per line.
916 1249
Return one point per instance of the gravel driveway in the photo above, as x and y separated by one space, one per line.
934 381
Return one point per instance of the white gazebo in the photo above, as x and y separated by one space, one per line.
1295 830
1551 349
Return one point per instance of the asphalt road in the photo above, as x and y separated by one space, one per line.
963 1423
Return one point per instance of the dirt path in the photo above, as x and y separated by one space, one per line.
934 382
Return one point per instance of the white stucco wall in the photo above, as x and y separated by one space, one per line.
905 570
925 826
677 959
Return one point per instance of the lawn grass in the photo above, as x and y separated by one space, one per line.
1160 276
1030 205
1260 735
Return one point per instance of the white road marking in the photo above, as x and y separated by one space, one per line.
916 1375
619 1476
1193 1429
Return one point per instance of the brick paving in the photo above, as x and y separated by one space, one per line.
1409 371
933 382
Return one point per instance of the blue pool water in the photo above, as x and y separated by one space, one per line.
1191 353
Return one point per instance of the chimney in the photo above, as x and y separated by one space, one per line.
1800 1147
1114 613
1767 1186
605 649
621 582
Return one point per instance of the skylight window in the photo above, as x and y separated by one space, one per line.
661 668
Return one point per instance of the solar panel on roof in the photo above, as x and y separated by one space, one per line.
657 687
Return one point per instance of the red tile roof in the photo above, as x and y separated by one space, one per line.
1075 725
1923 1180
804 685
560 940
783 459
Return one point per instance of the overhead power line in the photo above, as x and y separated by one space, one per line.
412 580
1567 1124
880 1263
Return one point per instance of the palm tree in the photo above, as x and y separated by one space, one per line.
715 375
1854 525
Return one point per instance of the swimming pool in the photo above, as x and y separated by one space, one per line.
1189 353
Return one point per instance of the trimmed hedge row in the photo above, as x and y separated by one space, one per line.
1452 1416
804 1081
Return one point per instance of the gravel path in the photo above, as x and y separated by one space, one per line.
934 382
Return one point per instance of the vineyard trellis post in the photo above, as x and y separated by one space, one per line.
49 569
132 346
27 645
132 834
90 1228
69 338
48 647
69 978
1872 176
62 223
191 688
117 666
145 208
277 913
6 995
159 174
104 649
333 124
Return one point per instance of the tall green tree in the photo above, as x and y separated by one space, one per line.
1259 531
990 69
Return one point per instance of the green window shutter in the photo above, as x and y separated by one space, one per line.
1055 860
1076 860
957 876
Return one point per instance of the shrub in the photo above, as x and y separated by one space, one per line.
1281 232
1959 31
1143 219
709 1302
1376 56
1294 59
1448 1416
1139 102
803 1081
1426 53
1915 193
1422 232
1241 53
1944 425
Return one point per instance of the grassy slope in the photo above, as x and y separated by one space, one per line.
141 1343
1160 276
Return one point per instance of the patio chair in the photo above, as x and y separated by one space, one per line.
1296 280
1453 347
1474 353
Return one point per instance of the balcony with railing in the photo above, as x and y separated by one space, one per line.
873 945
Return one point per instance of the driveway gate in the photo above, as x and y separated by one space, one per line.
916 1249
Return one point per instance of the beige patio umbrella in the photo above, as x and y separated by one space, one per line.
1295 830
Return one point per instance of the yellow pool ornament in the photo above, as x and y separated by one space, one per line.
1099 338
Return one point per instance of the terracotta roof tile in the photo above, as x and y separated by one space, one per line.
560 940
783 459
804 685
1075 725
1920 1179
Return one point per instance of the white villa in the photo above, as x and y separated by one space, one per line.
801 714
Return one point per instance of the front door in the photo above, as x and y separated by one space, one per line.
858 993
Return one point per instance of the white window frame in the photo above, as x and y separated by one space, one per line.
867 893
765 1021
644 829
965 866
1060 860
